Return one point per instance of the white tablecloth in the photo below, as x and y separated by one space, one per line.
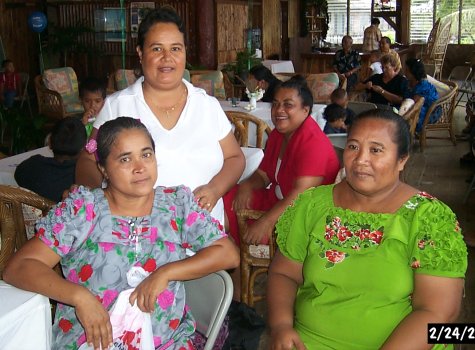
25 319
253 159
263 112
277 66
8 165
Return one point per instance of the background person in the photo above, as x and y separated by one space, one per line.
92 92
101 237
372 36
10 84
50 176
347 62
340 97
265 81
385 48
335 116
370 252
191 132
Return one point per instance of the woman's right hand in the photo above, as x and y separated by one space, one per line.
242 200
95 321
369 85
286 338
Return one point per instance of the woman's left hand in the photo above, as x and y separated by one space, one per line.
258 230
147 292
206 196
378 89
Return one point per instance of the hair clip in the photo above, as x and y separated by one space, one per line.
91 146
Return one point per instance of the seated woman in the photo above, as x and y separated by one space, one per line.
298 156
370 252
103 238
420 87
385 48
388 88
265 80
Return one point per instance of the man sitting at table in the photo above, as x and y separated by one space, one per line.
50 176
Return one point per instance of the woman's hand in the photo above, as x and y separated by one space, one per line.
242 200
286 338
95 321
369 85
147 292
378 89
259 229
206 196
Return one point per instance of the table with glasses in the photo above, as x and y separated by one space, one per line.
8 165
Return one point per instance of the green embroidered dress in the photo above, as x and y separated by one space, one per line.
359 267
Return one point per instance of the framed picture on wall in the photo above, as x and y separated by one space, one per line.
110 24
138 10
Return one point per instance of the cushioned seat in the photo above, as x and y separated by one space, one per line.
211 81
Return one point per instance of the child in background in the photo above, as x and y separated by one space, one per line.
50 176
10 84
340 97
335 116
92 93
375 64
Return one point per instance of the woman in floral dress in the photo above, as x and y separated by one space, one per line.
369 262
104 239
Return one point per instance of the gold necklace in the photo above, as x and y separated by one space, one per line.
172 108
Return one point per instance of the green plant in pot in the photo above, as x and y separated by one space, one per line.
239 70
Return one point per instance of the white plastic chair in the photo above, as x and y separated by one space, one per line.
209 298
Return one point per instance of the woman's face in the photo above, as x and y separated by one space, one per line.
384 46
389 71
370 157
163 56
131 167
288 113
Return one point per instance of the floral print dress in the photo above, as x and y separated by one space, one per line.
359 267
97 250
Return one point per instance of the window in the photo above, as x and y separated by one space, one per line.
422 19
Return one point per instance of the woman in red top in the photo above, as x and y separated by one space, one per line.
298 156
10 84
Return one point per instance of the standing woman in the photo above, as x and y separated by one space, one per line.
371 253
192 134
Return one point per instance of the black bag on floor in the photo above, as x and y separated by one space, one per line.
245 328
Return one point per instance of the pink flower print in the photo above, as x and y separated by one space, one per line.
58 212
109 296
81 339
157 341
77 203
90 215
106 247
170 246
190 220
58 227
153 235
165 299
172 208
64 249
73 276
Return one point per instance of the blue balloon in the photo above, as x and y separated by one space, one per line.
37 21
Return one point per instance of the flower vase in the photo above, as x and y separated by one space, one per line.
253 102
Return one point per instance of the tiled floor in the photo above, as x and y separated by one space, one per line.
437 171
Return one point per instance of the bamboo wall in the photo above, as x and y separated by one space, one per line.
271 28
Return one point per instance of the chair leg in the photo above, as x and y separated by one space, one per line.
245 276
422 140
452 135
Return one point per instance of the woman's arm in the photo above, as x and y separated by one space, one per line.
257 180
87 173
31 268
435 300
221 255
390 97
265 224
284 278
228 176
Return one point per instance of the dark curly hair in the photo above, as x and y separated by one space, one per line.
417 69
165 14
299 84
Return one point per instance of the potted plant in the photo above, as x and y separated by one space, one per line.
238 70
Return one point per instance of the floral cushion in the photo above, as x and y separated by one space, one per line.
64 81
322 85
214 83
124 78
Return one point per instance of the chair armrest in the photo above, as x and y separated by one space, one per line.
243 215
447 103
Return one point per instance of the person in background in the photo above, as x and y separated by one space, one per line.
128 240
419 87
50 176
371 252
10 84
192 134
92 92
385 48
375 62
335 116
389 88
265 81
372 36
339 96
347 63
288 166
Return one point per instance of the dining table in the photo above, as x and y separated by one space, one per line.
25 319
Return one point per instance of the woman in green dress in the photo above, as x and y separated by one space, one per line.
369 262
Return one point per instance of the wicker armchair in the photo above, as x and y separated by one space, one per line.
447 104
255 260
412 116
244 123
12 221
